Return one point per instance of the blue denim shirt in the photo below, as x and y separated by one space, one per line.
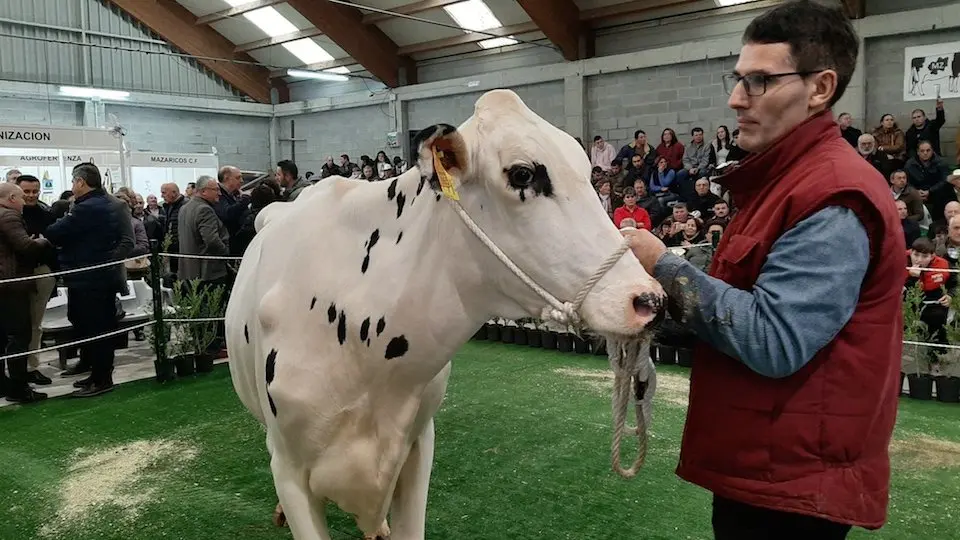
806 293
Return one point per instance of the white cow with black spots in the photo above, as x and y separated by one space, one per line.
351 301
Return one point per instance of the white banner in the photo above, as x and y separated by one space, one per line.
930 71
70 158
12 136
184 161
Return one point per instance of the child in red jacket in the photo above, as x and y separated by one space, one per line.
936 286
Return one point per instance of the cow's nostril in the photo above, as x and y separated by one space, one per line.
647 303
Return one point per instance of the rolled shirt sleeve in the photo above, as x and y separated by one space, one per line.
807 291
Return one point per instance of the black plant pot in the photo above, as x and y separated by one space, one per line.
549 340
534 337
165 370
599 347
564 342
900 388
654 353
184 364
481 334
204 363
685 357
507 334
666 355
493 332
520 336
921 386
580 345
948 389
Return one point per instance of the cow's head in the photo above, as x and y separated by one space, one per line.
527 184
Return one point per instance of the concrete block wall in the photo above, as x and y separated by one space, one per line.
243 141
681 97
884 85
545 99
29 111
355 131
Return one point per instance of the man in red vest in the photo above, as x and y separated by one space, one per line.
794 387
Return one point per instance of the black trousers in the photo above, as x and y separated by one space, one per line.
737 521
93 312
15 332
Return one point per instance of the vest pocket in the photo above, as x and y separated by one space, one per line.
740 261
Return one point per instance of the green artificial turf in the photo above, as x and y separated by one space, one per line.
522 452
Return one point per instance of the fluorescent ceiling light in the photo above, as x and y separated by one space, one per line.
235 3
316 75
75 91
725 3
493 43
270 21
473 15
341 70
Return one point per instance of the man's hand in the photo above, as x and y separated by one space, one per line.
646 247
944 300
939 104
923 194
914 272
694 171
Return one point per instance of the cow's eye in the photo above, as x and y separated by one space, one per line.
520 176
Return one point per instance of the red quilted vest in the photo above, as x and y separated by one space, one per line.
815 442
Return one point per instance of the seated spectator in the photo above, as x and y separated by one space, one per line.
399 165
924 129
638 171
911 229
677 220
937 286
847 131
617 175
721 145
638 147
947 244
698 162
662 178
309 176
596 175
627 223
355 172
649 202
721 212
703 199
928 173
664 230
602 153
902 191
867 146
671 149
890 140
368 174
714 231
951 209
386 169
330 169
702 256
736 153
691 233
608 199
631 210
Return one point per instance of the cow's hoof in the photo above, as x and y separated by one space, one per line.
383 533
279 519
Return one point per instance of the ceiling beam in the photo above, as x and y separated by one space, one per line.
855 9
627 8
178 26
469 37
368 45
235 11
277 40
559 20
408 9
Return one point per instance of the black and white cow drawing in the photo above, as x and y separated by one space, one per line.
924 69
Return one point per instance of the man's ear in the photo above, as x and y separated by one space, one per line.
444 143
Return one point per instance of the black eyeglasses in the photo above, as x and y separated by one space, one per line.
756 83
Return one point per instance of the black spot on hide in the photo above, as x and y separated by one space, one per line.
342 328
246 334
365 329
332 313
397 347
271 365
374 238
381 324
399 236
313 303
392 190
401 200
273 406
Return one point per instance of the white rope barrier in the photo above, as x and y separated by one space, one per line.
71 271
928 344
78 342
925 269
206 257
183 321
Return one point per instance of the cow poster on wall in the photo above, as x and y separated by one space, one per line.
930 70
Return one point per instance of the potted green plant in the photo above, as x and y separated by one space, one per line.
948 380
187 304
520 333
580 344
534 333
204 334
159 339
564 340
548 336
914 361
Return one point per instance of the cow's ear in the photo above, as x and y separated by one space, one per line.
441 142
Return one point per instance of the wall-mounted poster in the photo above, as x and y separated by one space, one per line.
930 70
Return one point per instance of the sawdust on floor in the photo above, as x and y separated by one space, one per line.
117 477
924 452
670 387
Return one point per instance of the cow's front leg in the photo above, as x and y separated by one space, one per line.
305 516
408 510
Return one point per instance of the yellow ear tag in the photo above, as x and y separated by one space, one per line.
446 180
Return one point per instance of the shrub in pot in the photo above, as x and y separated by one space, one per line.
520 333
493 330
564 341
948 380
914 362
580 345
211 301
534 333
159 339
507 332
549 339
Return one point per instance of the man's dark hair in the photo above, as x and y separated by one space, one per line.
348 157
27 178
192 185
308 175
616 163
89 173
262 195
721 201
922 142
682 205
820 37
696 130
921 111
596 170
894 173
629 192
923 245
844 114
597 138
604 181
288 167
638 132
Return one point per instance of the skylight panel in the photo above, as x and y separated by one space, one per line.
493 43
308 51
270 21
473 15
342 70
